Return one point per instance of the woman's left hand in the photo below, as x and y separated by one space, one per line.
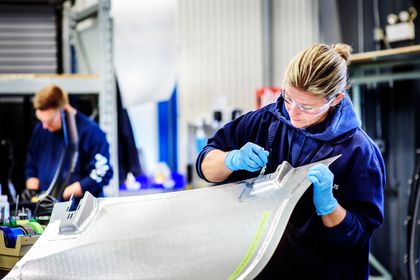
322 179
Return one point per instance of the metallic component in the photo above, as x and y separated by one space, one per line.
404 16
267 41
262 172
272 181
66 37
285 175
360 26
29 84
75 219
413 13
392 18
89 12
357 101
384 273
108 90
179 235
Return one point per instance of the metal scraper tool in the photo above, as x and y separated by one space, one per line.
262 172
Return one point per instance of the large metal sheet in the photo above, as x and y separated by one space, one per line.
223 232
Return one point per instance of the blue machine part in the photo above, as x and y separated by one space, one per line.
168 131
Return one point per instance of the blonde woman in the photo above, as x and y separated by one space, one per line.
328 235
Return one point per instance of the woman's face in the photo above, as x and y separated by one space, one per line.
306 109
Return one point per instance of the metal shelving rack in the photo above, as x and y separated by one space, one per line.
365 68
102 83
388 67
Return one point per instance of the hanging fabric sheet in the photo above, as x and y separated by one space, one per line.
224 232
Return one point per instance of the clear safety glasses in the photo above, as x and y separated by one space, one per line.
305 108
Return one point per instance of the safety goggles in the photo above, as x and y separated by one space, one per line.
306 108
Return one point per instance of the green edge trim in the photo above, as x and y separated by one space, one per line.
251 250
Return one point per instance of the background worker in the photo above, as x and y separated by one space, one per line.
329 232
92 171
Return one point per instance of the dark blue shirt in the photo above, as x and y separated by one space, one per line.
308 249
93 170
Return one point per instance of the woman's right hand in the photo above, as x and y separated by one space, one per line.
250 157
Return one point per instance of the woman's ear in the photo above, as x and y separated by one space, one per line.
338 98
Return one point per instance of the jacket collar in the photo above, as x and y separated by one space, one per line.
276 111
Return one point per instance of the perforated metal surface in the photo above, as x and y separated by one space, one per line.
200 234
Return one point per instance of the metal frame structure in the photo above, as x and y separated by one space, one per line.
365 69
30 83
368 70
103 84
108 90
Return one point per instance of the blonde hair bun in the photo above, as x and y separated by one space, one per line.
343 50
319 69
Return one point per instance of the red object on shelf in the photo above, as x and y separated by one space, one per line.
267 95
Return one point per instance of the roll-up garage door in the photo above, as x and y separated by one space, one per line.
28 39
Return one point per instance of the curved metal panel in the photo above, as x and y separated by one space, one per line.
224 232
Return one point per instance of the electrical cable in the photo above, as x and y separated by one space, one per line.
413 226
66 166
414 184
414 244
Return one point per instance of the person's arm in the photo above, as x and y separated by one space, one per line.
219 165
353 224
31 168
335 217
73 189
232 149
325 203
98 170
214 168
331 212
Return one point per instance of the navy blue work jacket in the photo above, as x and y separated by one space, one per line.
93 170
308 249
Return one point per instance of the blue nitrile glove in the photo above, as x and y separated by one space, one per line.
322 179
250 157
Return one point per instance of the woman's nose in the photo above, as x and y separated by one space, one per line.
294 110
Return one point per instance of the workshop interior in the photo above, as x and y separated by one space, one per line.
159 78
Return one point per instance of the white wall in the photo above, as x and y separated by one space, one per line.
145 49
214 48
295 27
219 58
220 53
144 122
144 57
